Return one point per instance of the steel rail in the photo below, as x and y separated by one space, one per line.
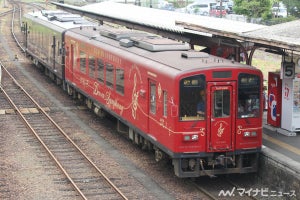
55 124
12 28
61 131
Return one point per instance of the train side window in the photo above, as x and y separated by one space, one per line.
165 99
92 66
152 99
82 62
100 70
120 80
110 75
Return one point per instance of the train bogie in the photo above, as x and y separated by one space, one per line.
202 112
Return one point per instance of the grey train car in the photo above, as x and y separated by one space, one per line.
44 39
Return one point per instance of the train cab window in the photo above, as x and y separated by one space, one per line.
92 66
192 98
249 93
152 99
120 80
100 70
82 62
110 75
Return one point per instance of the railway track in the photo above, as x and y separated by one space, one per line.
87 179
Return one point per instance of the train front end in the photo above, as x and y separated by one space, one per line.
220 118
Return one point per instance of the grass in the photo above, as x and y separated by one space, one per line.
267 63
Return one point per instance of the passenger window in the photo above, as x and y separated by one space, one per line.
92 66
109 75
120 80
82 62
100 70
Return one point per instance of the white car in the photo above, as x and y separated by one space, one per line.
198 8
279 12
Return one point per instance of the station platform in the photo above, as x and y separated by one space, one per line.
285 148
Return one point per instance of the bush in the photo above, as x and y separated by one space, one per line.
280 20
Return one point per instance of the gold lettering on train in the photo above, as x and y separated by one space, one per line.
96 91
220 130
152 74
202 131
112 103
84 82
109 57
222 88
134 97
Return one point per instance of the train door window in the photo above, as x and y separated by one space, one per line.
100 70
221 106
110 75
152 97
192 98
120 80
165 102
249 93
92 66
82 62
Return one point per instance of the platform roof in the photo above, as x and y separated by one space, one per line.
285 35
181 26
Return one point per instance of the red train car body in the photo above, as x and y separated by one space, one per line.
201 111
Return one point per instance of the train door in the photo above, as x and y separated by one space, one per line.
221 112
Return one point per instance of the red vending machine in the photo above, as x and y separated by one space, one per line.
274 99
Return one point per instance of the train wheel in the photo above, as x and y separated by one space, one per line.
99 112
89 103
69 90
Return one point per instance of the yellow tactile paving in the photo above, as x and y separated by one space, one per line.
282 144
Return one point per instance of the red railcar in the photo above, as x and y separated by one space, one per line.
154 87
201 111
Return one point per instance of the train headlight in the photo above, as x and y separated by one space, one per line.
247 134
190 137
250 134
253 134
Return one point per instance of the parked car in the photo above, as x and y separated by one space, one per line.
199 8
226 7
218 11
279 12
168 6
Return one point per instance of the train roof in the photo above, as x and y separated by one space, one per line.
174 54
60 19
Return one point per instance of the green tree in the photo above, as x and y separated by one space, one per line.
293 7
253 8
